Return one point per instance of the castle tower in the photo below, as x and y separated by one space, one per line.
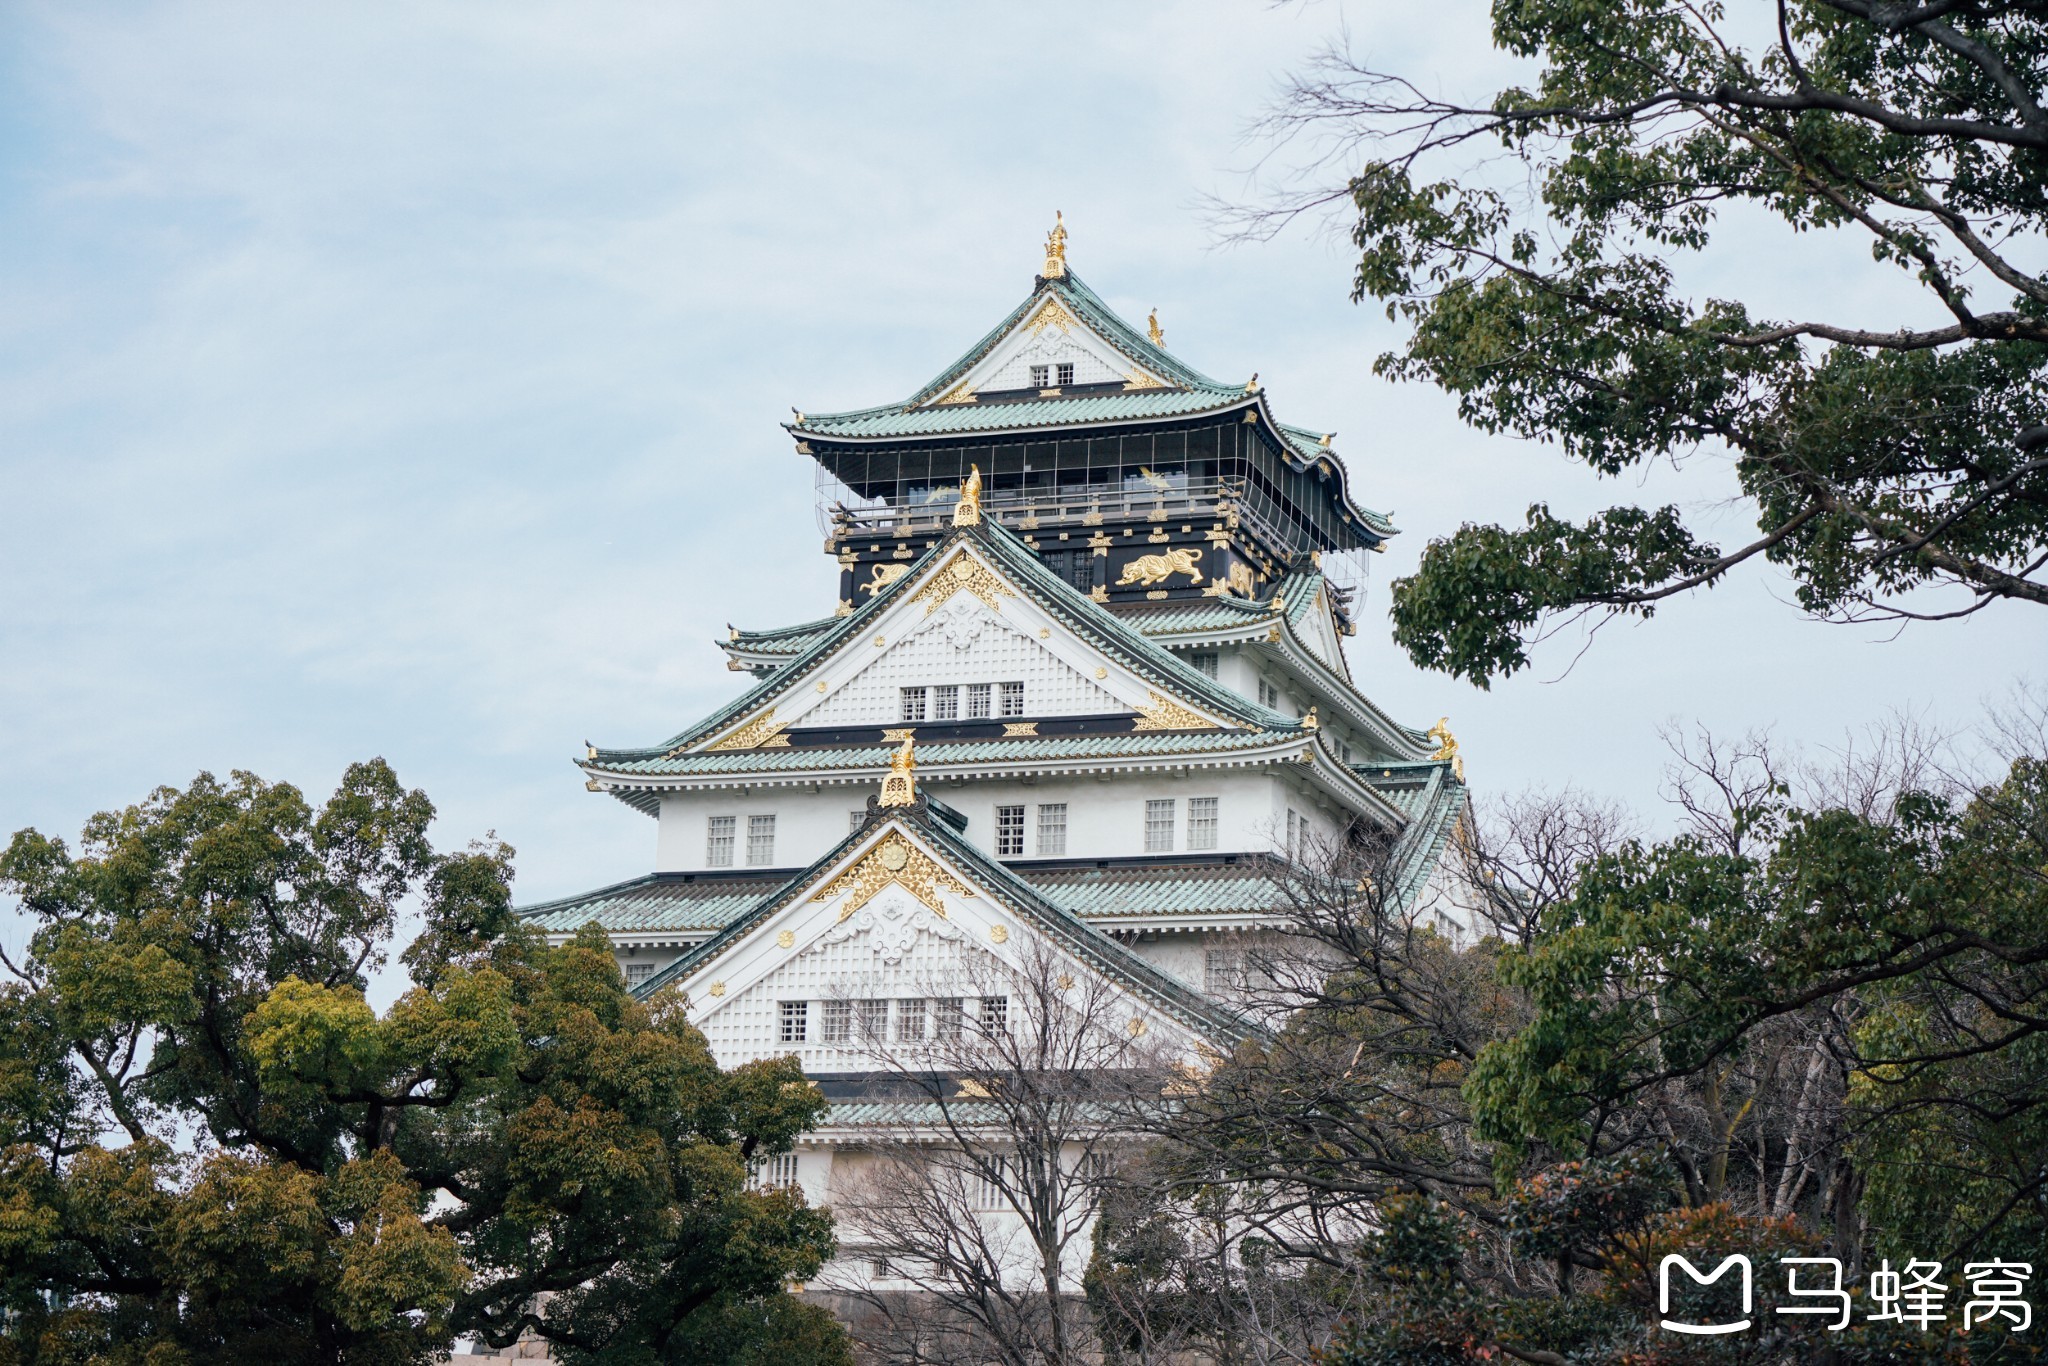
1083 681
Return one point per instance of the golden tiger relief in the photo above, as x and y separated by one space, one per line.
1151 569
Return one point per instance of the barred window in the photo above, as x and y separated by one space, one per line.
946 703
718 833
1204 661
1269 696
1012 699
977 699
1297 830
837 1025
760 841
913 704
854 821
1201 822
796 1021
1009 831
636 973
773 1173
1052 828
1159 825
1222 971
995 1015
873 1017
947 1013
910 1021
1041 376
1064 372
988 1189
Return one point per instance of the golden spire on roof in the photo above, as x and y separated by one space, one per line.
1056 248
899 788
967 512
1152 326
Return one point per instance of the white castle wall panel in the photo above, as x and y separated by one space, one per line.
955 646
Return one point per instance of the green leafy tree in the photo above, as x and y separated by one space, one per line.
215 1149
1880 456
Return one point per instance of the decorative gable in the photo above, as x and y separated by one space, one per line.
1050 335
959 621
882 932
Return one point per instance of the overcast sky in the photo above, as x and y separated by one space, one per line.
405 380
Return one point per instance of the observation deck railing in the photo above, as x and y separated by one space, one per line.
1029 509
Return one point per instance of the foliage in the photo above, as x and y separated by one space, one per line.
1802 1026
1878 459
216 1149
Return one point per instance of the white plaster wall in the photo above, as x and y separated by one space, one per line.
1105 819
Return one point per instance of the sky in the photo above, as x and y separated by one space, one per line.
404 380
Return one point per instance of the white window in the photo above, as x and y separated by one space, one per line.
1269 696
760 841
773 1173
946 703
988 1191
910 1021
837 1024
1041 376
1052 828
946 1016
1201 822
873 1018
1204 660
1009 832
1222 971
995 1015
718 841
1159 825
796 1021
1297 830
913 704
880 1269
636 973
854 821
1064 372
977 699
1012 699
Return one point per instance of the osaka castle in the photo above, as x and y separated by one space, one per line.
1083 690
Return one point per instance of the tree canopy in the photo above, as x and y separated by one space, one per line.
215 1149
1896 466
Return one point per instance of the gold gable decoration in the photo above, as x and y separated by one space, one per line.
962 574
894 860
959 393
1167 714
899 787
760 733
1447 747
967 512
1051 313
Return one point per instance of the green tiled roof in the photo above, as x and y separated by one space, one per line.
696 902
1194 393
1091 945
1086 617
896 419
782 640
657 902
1196 889
937 753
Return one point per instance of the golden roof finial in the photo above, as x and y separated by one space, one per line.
1152 326
967 512
1447 747
899 788
1056 247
